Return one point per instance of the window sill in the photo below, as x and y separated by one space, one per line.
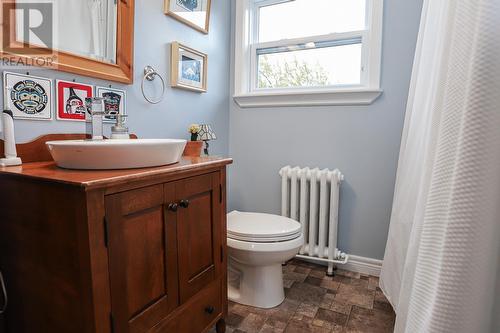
308 98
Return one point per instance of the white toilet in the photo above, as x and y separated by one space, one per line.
258 244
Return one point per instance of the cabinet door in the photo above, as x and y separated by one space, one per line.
142 259
199 220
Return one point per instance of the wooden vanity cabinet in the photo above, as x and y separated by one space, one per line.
164 245
148 251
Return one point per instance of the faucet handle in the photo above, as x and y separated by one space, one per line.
94 105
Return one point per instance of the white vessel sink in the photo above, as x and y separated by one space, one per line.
115 154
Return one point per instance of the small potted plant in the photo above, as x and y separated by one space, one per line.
193 147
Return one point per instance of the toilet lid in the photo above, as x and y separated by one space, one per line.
259 227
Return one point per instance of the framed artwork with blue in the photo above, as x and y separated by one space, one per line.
114 102
28 97
189 68
195 13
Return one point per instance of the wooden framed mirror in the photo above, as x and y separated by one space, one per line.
87 37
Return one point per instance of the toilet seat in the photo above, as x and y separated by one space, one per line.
265 247
261 228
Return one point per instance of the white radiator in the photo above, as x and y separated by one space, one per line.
311 196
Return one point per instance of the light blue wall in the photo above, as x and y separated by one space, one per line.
170 119
362 141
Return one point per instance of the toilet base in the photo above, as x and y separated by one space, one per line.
257 286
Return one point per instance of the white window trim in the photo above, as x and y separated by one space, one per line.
363 94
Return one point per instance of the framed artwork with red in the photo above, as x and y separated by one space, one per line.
71 99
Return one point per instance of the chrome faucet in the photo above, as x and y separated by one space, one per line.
95 108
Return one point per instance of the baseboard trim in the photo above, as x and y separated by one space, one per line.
362 265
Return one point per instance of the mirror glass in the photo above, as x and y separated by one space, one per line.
86 28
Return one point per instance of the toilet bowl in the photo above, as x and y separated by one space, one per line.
258 244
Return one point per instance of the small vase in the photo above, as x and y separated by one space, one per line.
193 148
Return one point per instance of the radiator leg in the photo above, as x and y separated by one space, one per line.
331 269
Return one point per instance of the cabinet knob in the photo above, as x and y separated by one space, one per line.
209 309
172 207
184 203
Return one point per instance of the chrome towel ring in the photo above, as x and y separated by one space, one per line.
149 75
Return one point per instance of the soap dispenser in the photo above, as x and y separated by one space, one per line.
9 141
119 130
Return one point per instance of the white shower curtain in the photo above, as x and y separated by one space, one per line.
97 28
103 29
441 264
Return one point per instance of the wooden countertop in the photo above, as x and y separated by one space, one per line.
48 171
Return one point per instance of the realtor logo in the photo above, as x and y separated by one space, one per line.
31 29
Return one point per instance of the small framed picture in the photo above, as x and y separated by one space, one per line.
114 102
189 68
71 100
194 13
28 97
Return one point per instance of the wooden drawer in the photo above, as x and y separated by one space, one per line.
197 314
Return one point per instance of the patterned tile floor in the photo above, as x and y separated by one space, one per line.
348 302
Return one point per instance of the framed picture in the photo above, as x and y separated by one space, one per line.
195 13
114 102
189 68
71 100
28 97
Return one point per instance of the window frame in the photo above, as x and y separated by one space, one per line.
246 92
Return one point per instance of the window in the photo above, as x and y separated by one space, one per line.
307 52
